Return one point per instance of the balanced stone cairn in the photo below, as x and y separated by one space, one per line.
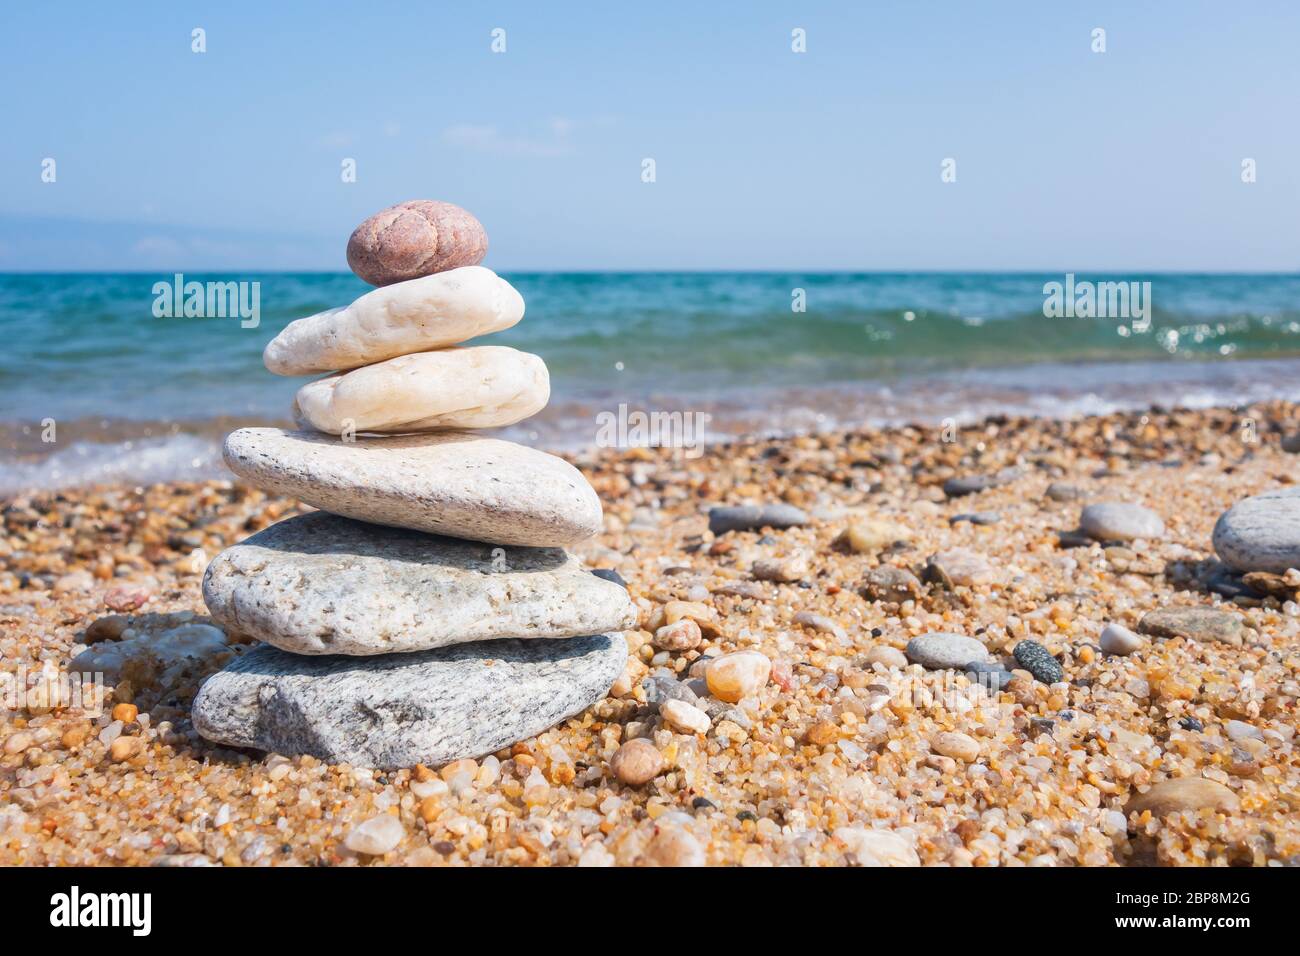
428 610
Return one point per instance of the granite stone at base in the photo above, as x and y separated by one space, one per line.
321 584
398 710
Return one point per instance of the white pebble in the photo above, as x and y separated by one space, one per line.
685 717
376 836
1118 639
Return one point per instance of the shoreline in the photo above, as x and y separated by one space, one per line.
842 746
103 450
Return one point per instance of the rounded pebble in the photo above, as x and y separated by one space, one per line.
1119 521
413 239
1118 639
1036 659
637 762
740 674
939 650
958 746
376 836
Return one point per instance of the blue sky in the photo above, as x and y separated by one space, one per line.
766 159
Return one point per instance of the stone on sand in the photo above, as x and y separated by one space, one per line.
1120 521
487 386
321 584
754 517
1192 623
415 316
1183 793
398 710
451 483
1118 639
941 651
1261 533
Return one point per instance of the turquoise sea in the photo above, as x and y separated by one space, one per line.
137 397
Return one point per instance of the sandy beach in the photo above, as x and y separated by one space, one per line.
845 743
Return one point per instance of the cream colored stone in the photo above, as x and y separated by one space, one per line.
413 316
958 746
453 483
685 717
737 675
488 386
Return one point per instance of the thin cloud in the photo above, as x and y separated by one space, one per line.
490 139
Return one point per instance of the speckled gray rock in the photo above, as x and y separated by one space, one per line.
753 517
1038 660
1261 533
398 710
940 651
1119 521
321 584
452 483
415 238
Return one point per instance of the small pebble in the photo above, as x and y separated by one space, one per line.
890 657
939 650
1119 521
376 836
124 748
681 636
637 762
1036 659
1183 793
781 571
685 717
958 746
740 674
1118 639
754 517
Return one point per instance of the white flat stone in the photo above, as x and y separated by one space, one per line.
397 710
452 483
413 316
321 584
1261 533
488 386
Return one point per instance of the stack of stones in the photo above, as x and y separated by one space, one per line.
429 610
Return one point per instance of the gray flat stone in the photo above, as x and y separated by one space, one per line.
1261 533
940 651
1119 521
321 584
398 710
753 517
1193 623
453 483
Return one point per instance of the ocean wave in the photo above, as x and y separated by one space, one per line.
147 461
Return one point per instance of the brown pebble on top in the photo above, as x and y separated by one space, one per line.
413 239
